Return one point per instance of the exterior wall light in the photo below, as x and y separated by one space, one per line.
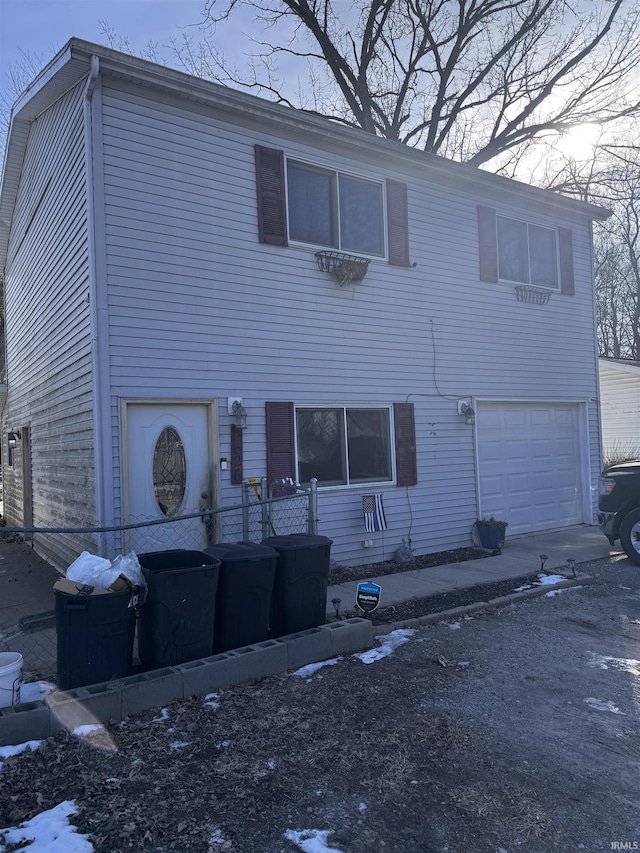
13 437
467 411
238 411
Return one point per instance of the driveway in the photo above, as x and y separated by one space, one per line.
514 730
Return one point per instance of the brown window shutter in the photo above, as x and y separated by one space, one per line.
398 223
405 430
280 441
272 219
567 282
488 243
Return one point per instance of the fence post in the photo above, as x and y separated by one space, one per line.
265 508
313 508
246 488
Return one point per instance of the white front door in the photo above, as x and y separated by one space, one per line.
529 464
168 474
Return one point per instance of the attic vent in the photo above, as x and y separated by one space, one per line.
344 268
536 295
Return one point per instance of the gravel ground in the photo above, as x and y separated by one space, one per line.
514 730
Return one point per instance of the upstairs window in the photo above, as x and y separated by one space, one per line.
334 210
516 251
527 253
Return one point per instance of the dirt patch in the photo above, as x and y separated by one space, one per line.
447 600
342 574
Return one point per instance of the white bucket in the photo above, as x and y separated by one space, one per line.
10 678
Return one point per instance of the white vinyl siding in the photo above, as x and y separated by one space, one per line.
620 408
48 340
198 307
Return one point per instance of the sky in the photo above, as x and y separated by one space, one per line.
42 27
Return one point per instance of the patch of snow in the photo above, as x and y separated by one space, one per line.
211 699
523 587
311 840
164 715
216 837
179 744
81 731
623 664
627 588
362 807
311 668
8 751
224 743
271 764
544 580
601 705
33 691
455 626
49 832
389 643
554 592
463 663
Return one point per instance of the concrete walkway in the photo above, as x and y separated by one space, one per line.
520 556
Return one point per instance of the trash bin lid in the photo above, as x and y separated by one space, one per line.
297 541
179 558
231 552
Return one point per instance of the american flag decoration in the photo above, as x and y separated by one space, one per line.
374 517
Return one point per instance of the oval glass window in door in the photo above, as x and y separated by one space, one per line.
169 471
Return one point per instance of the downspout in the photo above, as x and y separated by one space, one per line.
94 305
598 398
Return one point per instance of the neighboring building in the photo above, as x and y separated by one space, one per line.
620 408
159 234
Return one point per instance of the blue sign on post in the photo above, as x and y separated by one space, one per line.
368 596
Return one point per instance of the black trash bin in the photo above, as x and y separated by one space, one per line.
176 619
94 636
247 571
302 577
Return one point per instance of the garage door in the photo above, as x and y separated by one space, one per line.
529 464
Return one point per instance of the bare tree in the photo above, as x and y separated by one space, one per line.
472 80
617 255
20 74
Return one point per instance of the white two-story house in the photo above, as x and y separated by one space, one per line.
392 322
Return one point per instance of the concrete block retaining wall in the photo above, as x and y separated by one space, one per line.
113 700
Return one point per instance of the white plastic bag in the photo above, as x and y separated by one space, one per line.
129 566
92 570
97 571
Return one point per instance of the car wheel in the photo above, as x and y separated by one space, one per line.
630 535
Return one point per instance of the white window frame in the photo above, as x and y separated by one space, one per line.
319 167
345 407
529 225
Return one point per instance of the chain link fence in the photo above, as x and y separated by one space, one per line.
282 509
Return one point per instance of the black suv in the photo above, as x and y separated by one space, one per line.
619 506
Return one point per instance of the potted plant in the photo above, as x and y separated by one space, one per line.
491 532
